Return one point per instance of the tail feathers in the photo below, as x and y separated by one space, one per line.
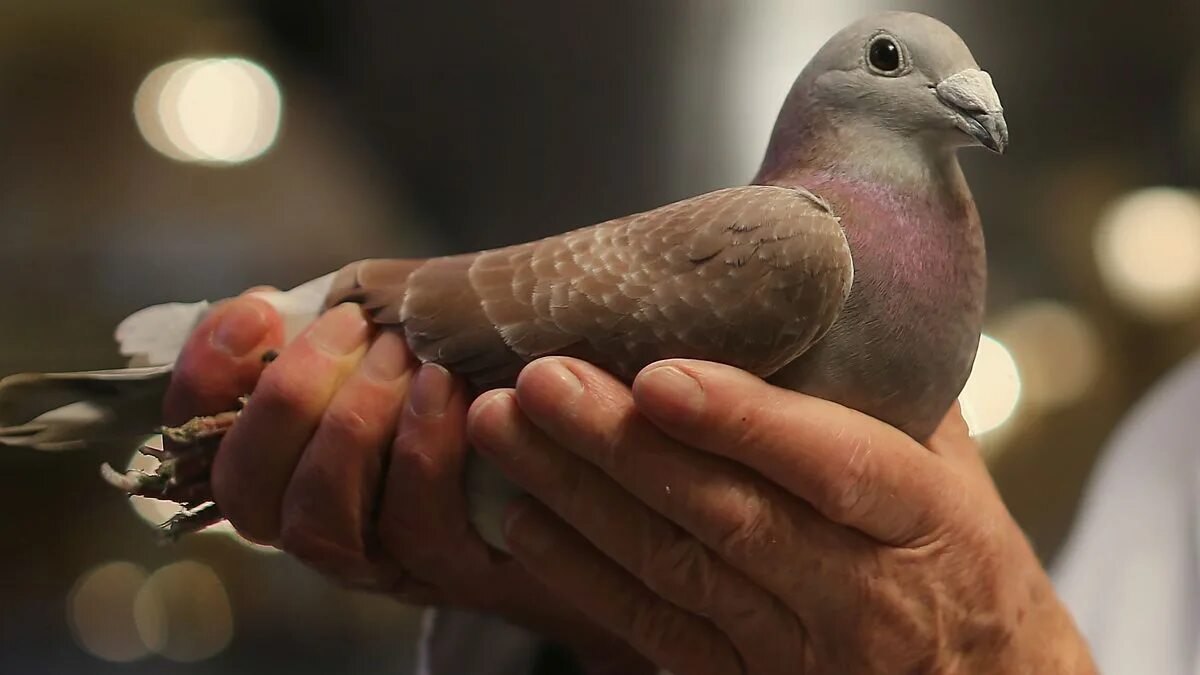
65 411
155 335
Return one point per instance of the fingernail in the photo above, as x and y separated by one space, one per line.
339 331
387 359
496 437
242 326
431 391
570 387
524 533
679 394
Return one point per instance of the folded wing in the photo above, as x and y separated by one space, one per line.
748 276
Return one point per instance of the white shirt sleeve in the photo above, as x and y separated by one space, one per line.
1130 569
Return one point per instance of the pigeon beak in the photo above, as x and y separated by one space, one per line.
972 96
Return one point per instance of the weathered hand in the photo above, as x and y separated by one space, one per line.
864 552
316 466
304 461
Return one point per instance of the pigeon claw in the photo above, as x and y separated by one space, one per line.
182 474
191 520
201 428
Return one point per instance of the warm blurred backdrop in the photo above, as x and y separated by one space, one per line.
154 151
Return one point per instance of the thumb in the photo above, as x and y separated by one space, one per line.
222 359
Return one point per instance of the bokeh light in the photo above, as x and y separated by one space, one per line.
1148 251
214 110
1056 350
100 609
183 613
993 390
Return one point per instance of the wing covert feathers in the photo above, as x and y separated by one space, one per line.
749 276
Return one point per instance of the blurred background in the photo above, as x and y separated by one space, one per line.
155 151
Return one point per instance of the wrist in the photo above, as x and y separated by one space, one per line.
1042 638
1048 641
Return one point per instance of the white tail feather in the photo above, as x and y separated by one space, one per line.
155 335
59 411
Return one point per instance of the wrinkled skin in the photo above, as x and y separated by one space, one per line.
315 466
865 552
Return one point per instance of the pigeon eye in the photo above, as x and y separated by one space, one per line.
884 55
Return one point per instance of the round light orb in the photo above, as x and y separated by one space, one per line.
1056 349
100 610
993 390
1148 250
183 612
217 111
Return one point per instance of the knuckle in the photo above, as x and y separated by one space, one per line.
572 485
284 389
297 539
844 496
347 426
415 458
679 568
613 455
654 626
608 445
747 525
407 454
665 633
308 542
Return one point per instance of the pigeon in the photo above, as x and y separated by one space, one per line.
852 268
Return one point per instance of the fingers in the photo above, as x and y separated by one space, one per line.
853 469
671 563
260 452
222 359
328 504
676 640
748 521
423 521
423 517
423 514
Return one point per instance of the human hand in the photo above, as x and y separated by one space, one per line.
865 552
315 465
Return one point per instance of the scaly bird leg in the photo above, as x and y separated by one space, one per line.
183 471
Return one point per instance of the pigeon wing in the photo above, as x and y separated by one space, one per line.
749 276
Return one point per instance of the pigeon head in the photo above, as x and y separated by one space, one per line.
888 82
910 74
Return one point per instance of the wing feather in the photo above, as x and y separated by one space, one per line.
750 276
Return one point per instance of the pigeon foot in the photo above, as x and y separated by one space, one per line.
184 470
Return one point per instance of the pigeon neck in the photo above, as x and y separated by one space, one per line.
896 219
860 153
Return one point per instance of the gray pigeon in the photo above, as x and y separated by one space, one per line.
852 269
